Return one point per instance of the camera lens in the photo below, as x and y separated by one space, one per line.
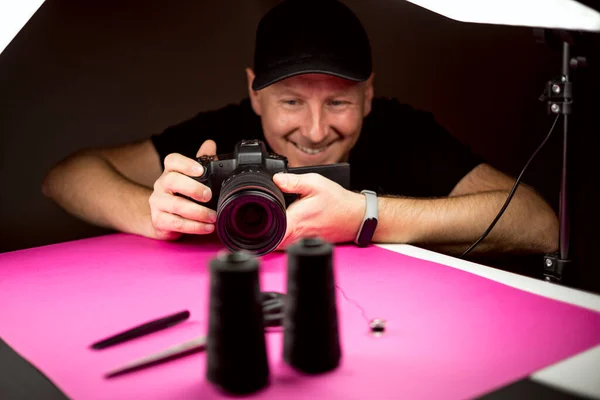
252 219
251 212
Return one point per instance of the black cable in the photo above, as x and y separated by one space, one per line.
272 306
512 192
273 303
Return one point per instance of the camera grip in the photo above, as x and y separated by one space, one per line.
289 198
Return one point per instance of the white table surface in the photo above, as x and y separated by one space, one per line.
579 374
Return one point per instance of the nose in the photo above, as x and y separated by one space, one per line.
315 127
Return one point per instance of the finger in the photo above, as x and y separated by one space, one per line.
302 184
291 230
182 164
208 148
174 182
282 246
184 208
166 235
287 240
174 223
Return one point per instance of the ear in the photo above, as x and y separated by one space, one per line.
369 92
251 92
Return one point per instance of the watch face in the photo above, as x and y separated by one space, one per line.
367 231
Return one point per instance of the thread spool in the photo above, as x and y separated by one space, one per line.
236 359
311 334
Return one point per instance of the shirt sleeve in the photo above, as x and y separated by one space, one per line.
183 138
225 126
440 159
408 153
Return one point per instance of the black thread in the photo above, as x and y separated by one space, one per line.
310 326
362 310
236 359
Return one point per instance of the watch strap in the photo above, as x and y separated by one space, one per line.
369 222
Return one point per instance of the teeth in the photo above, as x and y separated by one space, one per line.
308 150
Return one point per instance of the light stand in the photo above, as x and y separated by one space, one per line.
567 16
559 94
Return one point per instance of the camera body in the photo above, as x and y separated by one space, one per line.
250 207
252 156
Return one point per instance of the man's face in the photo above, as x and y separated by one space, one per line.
312 119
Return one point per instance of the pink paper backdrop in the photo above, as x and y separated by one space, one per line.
450 334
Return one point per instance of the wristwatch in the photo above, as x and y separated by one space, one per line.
369 223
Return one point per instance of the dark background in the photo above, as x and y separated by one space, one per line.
98 73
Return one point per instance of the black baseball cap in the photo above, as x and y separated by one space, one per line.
310 36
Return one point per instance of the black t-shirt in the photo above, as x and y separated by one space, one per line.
401 151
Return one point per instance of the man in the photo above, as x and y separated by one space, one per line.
311 99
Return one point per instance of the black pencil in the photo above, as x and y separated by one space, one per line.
142 330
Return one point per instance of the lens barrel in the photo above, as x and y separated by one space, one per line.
251 212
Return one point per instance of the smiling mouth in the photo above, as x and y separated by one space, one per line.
311 150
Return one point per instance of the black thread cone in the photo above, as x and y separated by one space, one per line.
236 353
311 338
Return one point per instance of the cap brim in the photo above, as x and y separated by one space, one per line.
312 66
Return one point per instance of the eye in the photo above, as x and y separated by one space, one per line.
338 103
291 102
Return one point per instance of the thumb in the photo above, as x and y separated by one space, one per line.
208 148
292 183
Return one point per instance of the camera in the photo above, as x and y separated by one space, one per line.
250 207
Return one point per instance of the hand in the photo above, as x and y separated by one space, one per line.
173 215
324 209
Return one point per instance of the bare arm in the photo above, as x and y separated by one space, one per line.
108 187
452 224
